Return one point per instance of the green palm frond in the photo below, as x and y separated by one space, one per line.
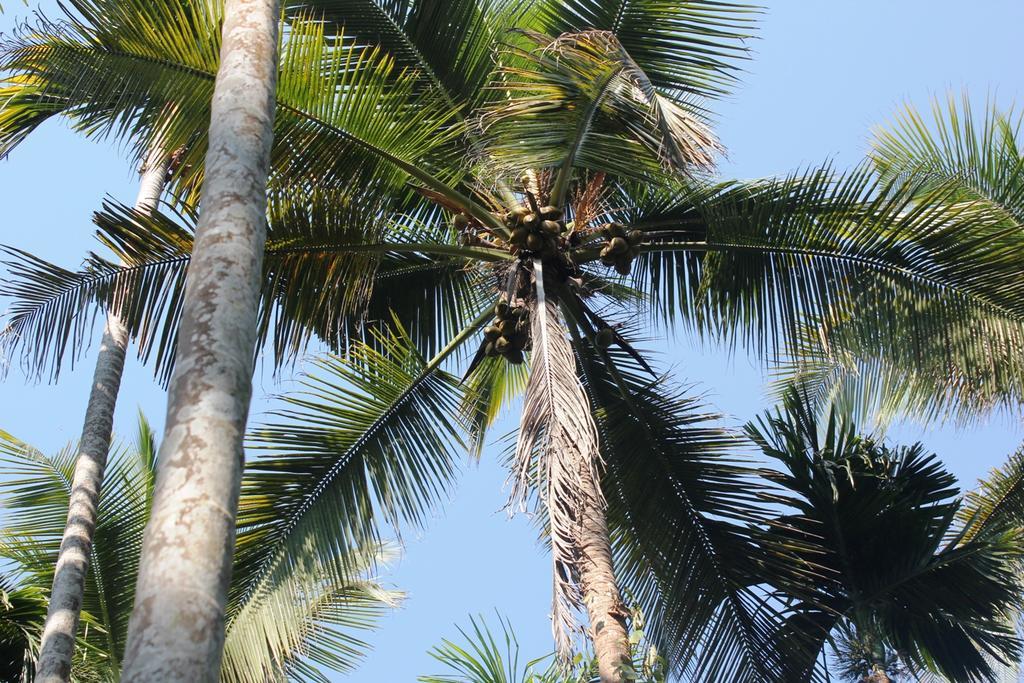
998 501
983 159
369 441
274 636
876 523
334 266
685 47
144 72
580 101
294 622
449 45
22 613
847 267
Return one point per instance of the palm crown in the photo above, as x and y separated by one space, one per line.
542 163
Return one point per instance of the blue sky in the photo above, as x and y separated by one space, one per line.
822 75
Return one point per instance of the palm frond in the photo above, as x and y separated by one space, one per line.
556 454
369 441
983 159
579 100
333 267
849 267
685 47
143 72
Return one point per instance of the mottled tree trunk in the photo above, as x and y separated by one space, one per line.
176 632
877 675
598 587
58 642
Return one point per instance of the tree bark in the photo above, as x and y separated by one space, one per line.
600 591
176 632
58 641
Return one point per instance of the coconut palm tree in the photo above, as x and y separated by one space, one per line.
913 581
290 624
557 152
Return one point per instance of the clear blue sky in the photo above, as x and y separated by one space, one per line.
822 74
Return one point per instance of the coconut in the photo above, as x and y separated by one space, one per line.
501 309
617 246
507 327
489 349
460 221
530 220
518 237
534 242
502 344
604 338
551 227
635 237
617 229
515 356
491 332
622 265
552 213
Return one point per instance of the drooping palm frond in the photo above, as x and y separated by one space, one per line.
557 454
332 266
684 47
369 442
144 72
823 266
876 523
680 507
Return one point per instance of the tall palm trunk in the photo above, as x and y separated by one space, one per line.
58 642
598 587
176 632
556 412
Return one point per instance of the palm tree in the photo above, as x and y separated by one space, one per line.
58 638
585 121
177 626
911 580
290 624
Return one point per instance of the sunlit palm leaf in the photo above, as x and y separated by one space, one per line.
369 442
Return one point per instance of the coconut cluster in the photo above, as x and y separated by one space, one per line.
620 247
509 332
535 231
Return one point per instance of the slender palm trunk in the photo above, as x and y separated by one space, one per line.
58 642
176 632
600 591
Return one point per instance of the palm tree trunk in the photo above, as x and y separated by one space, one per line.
176 632
600 591
58 641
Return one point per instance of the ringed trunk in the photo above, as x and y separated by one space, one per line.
65 606
176 631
